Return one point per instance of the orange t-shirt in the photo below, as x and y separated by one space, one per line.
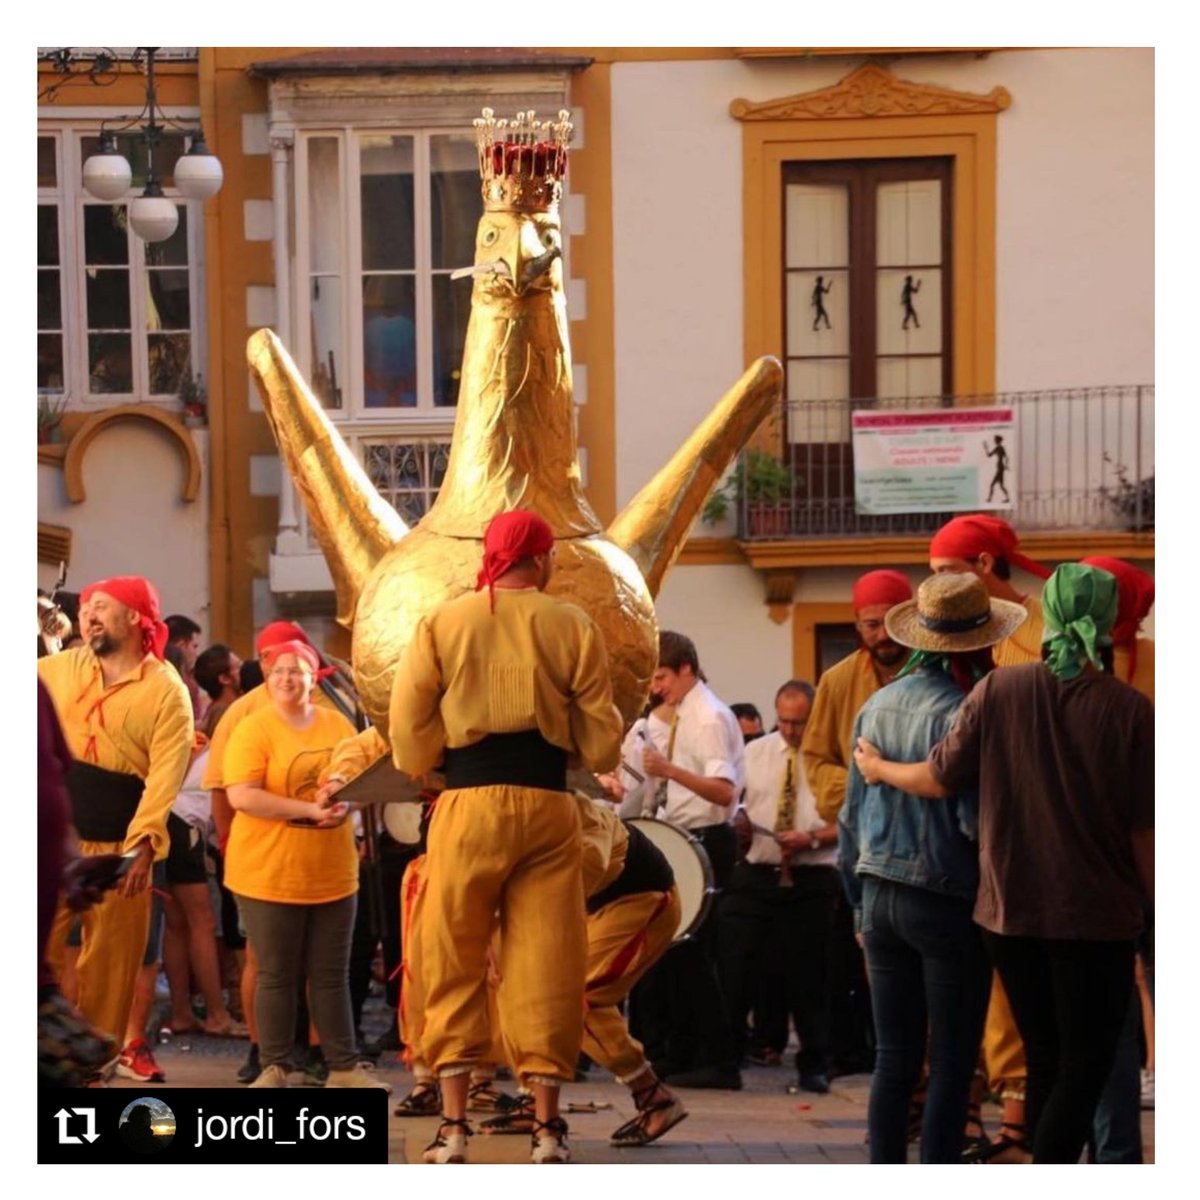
268 859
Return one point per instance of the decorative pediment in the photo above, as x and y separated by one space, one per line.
872 91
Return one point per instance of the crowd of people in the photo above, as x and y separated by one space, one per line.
936 864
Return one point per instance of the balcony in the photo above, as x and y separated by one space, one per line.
1083 460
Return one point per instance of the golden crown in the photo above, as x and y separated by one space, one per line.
522 162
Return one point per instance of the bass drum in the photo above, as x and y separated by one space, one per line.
693 871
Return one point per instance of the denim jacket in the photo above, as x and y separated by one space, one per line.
928 844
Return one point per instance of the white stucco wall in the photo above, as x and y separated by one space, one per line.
133 521
1075 236
745 655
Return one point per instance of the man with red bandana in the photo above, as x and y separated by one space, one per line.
987 547
504 685
845 687
1133 655
128 724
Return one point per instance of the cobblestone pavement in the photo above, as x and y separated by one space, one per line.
760 1124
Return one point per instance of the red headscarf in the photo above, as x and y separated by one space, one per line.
302 650
881 587
276 632
1135 598
968 537
510 537
139 594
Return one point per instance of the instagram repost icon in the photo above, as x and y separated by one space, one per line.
147 1125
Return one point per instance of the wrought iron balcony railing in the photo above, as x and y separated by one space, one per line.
1083 459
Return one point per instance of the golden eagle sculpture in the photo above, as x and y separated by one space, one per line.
513 447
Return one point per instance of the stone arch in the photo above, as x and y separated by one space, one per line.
98 422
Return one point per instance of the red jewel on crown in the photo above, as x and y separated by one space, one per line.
522 162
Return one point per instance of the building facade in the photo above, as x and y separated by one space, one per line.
720 203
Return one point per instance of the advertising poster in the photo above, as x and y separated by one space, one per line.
934 460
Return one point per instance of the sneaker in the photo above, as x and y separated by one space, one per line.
814 1081
250 1070
387 1043
315 1068
136 1062
355 1077
450 1144
1148 1089
273 1076
550 1142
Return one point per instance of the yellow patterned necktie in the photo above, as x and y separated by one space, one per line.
660 793
786 815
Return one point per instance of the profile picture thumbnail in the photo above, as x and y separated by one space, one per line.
147 1125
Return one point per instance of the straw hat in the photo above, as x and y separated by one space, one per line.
953 612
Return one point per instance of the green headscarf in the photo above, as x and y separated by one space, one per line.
1079 606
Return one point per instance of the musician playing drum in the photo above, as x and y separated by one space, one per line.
703 773
782 898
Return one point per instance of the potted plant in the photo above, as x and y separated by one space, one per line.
765 486
49 416
195 400
1133 503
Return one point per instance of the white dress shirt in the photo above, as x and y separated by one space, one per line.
708 741
766 766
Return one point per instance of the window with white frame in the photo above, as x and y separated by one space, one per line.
118 318
384 217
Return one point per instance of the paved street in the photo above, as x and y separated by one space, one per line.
761 1124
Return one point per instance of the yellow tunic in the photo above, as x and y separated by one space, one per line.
826 749
1025 644
268 859
141 725
545 668
1143 674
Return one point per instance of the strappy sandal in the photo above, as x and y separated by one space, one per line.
424 1100
1004 1149
485 1097
637 1132
518 1118
550 1142
448 1147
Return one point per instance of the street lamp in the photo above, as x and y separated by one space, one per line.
107 175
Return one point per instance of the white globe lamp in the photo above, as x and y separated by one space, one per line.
153 217
198 174
107 175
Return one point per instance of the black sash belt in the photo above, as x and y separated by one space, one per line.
522 759
646 870
102 802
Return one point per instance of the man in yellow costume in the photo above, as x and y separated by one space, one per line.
845 688
127 719
987 546
506 684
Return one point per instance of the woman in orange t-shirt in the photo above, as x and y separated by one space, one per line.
293 866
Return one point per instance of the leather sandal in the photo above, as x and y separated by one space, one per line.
518 1118
1004 1149
424 1100
450 1144
637 1131
550 1142
485 1097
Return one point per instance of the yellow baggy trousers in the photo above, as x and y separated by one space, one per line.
624 940
515 851
1003 1050
111 953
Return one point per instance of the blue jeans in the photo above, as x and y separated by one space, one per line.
930 979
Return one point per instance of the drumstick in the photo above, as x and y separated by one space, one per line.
626 767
